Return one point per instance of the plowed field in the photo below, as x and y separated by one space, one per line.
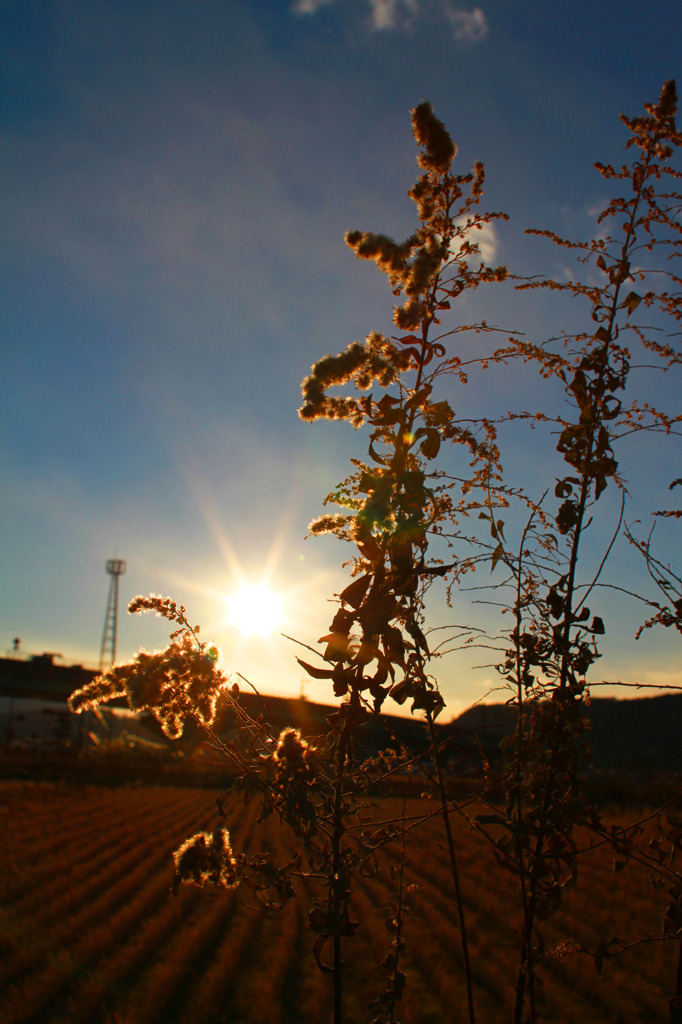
89 930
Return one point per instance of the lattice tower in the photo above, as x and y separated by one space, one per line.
115 567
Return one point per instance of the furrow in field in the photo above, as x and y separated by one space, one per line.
94 919
152 951
43 869
82 907
121 949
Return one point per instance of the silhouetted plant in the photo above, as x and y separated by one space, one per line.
398 501
554 640
402 511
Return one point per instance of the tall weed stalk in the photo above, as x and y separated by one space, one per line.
427 473
553 645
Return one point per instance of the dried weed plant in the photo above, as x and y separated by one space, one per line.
431 481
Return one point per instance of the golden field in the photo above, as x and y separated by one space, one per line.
89 930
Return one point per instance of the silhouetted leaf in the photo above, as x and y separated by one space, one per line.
430 446
355 591
399 692
567 517
394 646
632 302
366 653
416 634
375 455
337 646
316 673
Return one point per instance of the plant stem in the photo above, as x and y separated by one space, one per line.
338 885
526 967
453 864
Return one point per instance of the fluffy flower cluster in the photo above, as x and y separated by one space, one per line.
294 781
432 135
163 606
391 257
333 523
375 359
206 859
180 682
291 748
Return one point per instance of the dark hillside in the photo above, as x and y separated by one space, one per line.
642 736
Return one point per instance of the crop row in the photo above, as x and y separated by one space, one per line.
90 932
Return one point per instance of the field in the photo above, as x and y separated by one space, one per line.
89 930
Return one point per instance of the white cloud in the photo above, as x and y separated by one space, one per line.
488 243
596 208
467 26
303 7
387 14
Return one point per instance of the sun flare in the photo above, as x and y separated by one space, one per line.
255 610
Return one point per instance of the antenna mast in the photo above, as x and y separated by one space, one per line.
115 567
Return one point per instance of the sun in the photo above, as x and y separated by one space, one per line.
256 610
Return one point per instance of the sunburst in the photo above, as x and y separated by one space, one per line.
255 610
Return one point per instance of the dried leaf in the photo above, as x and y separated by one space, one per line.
316 673
354 592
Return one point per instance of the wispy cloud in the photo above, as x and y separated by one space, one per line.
302 7
392 14
595 208
203 204
467 26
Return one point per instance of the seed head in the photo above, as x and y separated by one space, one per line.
206 859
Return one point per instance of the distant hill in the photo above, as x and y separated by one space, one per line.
640 736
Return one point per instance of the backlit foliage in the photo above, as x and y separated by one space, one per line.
181 682
206 859
554 640
432 484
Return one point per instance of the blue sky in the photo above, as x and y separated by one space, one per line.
175 183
